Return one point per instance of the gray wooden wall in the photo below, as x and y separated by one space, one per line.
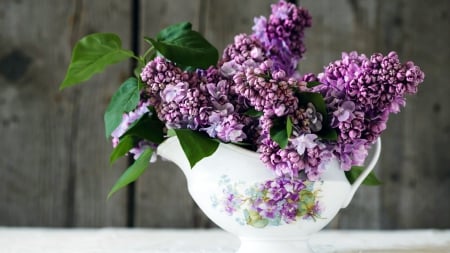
54 167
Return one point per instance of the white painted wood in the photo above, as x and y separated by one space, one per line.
27 240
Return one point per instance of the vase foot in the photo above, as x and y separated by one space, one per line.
271 246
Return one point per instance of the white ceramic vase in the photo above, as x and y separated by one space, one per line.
225 186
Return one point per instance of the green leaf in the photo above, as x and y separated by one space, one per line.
312 84
356 171
133 172
187 49
259 223
254 219
92 54
124 100
251 112
174 31
196 145
171 132
279 133
122 148
289 127
148 127
315 98
138 69
327 132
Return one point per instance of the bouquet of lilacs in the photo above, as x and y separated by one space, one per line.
252 96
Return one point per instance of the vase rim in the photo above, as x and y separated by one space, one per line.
239 149
230 146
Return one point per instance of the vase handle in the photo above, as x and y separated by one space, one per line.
364 174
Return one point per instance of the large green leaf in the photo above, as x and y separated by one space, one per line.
196 145
356 171
92 54
187 48
122 148
124 100
279 131
174 31
133 172
148 127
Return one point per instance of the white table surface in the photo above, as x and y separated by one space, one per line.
112 240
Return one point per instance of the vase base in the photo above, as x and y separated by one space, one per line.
271 246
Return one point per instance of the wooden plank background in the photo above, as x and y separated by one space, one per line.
54 167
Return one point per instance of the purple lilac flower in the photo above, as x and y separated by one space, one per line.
230 129
304 153
282 34
128 119
352 154
303 142
174 92
203 101
140 147
269 92
177 96
159 73
244 52
224 121
360 93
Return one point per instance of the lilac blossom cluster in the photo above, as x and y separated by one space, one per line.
198 101
282 34
257 72
273 93
360 93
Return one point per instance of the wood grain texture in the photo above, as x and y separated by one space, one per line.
53 167
416 158
225 19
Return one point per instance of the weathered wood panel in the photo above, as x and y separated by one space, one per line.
54 154
416 157
225 19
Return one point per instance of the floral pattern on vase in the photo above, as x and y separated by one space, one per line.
275 202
